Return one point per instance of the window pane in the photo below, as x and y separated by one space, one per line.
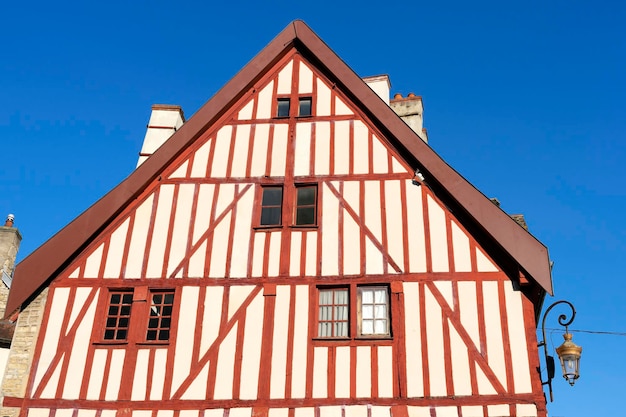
324 330
305 106
381 326
305 215
380 311
326 297
341 296
270 216
341 313
283 107
341 329
380 296
368 312
367 297
367 327
306 195
272 196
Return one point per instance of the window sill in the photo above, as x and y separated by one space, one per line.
269 228
111 343
155 343
304 226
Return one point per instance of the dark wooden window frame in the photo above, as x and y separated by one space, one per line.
297 206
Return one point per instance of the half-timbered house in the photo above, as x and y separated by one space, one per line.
294 249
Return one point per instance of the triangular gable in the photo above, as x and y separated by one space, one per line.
504 235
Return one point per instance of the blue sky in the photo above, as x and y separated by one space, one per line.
526 100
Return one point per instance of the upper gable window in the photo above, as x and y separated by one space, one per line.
306 205
282 108
160 318
305 106
271 206
118 315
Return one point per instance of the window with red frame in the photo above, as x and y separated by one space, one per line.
334 305
118 315
160 318
306 205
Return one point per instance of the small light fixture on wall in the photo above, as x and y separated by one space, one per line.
569 353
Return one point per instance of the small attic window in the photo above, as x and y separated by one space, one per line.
283 107
305 106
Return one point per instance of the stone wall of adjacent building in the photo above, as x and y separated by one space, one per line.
22 349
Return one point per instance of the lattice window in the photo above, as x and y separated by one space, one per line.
334 306
306 205
374 311
160 318
118 315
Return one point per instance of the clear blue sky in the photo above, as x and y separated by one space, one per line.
525 99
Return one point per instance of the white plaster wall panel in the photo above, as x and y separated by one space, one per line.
241 237
331 411
185 335
38 412
64 412
181 171
259 150
158 374
330 208
258 254
160 231
279 342
142 413
215 412
373 256
322 148
203 213
341 108
237 296
300 342
484 386
201 160
396 166
361 156
279 150
251 357
188 413
381 411
80 347
115 375
499 410
483 264
278 412
302 154
96 377
351 230
469 310
448 411
222 152
246 111
196 262
445 288
59 298
211 318
180 234
108 413
226 366
320 372
295 253
342 372
304 412
493 331
356 411
434 338
380 155
219 251
472 411
363 371
86 413
342 147
75 273
80 296
526 410
311 254
351 246
517 339
419 411
385 371
461 247
240 412
438 236
116 251
460 364
140 379
274 254
240 152
415 227
198 387
264 107
138 239
395 226
51 387
305 79
163 413
413 340
284 79
323 99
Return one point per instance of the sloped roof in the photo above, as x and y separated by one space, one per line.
503 233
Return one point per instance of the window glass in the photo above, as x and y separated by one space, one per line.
304 106
306 199
333 312
160 318
271 206
283 107
118 315
374 311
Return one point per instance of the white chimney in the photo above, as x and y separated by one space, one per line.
164 121
380 84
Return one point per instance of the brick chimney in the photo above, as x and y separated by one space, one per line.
164 121
411 110
10 239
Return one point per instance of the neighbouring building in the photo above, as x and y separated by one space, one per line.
294 249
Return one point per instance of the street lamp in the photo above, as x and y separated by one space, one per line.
568 352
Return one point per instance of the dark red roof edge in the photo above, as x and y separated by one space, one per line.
56 253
